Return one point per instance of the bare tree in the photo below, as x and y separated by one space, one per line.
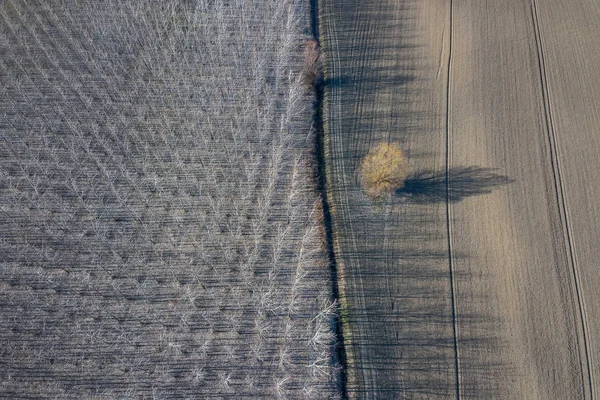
161 232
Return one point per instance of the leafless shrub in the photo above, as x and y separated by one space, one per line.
312 69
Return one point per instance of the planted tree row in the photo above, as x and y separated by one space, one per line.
161 235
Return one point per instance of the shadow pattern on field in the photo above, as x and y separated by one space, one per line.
393 256
429 187
375 83
402 343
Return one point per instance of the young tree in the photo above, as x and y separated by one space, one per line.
383 170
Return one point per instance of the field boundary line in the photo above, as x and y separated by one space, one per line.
324 176
449 212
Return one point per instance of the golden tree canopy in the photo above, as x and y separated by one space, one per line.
383 170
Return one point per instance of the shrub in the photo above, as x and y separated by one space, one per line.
312 74
383 170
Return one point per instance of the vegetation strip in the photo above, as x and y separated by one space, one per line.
324 173
319 88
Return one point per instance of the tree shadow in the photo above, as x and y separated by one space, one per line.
374 83
428 187
399 329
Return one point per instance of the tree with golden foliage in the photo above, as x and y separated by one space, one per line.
383 170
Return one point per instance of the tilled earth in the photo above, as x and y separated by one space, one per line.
479 278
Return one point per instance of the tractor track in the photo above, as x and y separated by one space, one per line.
449 219
585 361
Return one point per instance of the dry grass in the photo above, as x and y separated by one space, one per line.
383 170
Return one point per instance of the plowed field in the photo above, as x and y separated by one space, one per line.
478 279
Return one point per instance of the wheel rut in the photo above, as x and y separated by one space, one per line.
449 209
585 360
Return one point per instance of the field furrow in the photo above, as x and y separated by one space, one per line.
449 213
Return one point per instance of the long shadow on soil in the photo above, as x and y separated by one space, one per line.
398 304
393 257
429 187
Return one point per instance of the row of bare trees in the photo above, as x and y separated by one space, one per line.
161 234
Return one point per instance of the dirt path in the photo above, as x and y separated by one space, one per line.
479 279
